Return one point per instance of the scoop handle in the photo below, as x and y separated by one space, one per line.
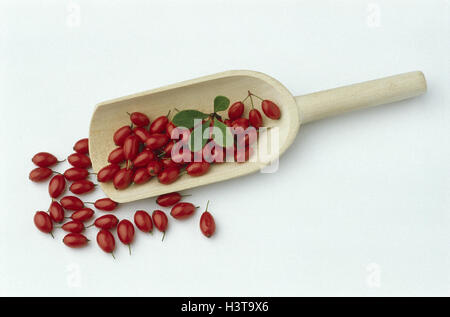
335 101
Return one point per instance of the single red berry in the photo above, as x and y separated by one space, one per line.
160 221
236 110
82 146
228 122
105 204
56 186
79 160
121 134
117 156
43 222
143 158
125 232
81 187
255 118
182 210
71 203
141 133
270 109
139 119
73 226
154 167
106 222
40 174
82 215
141 176
44 159
241 124
106 174
106 242
169 175
169 128
197 168
56 211
169 199
168 162
143 221
207 224
131 147
76 174
123 178
75 240
156 140
159 125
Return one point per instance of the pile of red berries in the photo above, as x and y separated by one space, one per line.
165 149
80 185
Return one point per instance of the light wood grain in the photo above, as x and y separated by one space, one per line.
199 94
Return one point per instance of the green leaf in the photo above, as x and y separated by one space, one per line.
225 137
197 139
221 103
186 118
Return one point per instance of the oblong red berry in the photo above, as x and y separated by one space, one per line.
182 210
207 224
121 134
82 146
125 231
154 167
270 109
131 147
236 110
255 118
73 226
82 214
123 178
56 211
43 222
139 119
40 174
105 204
106 174
56 186
81 187
241 123
141 176
143 158
143 221
75 240
141 133
160 220
105 241
197 168
44 159
159 125
156 141
71 203
169 199
116 156
106 222
76 174
79 160
168 175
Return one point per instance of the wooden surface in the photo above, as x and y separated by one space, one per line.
199 94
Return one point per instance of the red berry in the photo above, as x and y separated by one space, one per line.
236 110
56 186
139 119
270 109
168 162
182 210
143 158
105 241
76 174
75 240
81 187
141 176
255 118
43 222
117 156
143 221
56 211
40 174
159 125
73 226
228 122
105 204
160 221
241 123
169 128
125 232
169 199
131 147
106 222
106 174
157 140
44 159
79 160
197 168
121 134
82 146
243 154
82 214
71 203
207 224
141 133
154 167
169 175
168 149
123 178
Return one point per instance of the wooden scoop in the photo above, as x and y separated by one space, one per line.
199 94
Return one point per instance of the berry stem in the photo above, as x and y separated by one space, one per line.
51 233
207 204
129 248
251 99
164 234
112 253
255 95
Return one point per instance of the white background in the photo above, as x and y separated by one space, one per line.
359 206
